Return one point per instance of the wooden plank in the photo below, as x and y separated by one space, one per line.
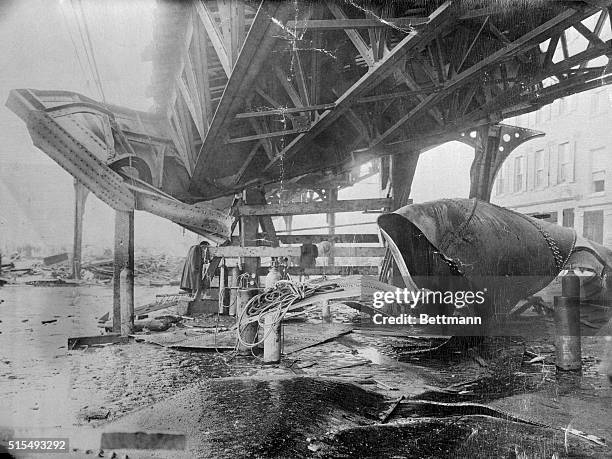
335 270
214 35
264 135
110 338
316 238
362 47
337 238
341 24
200 67
285 111
260 252
304 208
289 89
234 251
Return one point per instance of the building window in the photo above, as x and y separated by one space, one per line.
593 226
518 174
598 170
547 112
568 218
539 168
599 181
563 163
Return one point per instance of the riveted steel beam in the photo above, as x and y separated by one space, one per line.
199 218
79 161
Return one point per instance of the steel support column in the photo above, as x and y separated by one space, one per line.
124 258
492 145
80 197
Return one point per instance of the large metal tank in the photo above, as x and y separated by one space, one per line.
467 244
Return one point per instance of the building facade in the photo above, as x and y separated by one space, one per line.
564 177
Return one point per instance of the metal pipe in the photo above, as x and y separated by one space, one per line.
567 324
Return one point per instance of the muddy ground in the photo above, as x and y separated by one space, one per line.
325 401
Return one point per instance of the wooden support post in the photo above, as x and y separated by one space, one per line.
80 197
249 226
124 258
288 223
127 301
233 284
222 286
331 221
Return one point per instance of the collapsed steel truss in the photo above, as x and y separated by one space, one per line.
304 91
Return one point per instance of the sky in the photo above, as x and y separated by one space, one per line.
41 48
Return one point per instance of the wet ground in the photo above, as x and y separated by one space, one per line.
324 401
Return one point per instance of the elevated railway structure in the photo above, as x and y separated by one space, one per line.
268 99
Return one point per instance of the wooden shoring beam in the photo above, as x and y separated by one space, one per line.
316 207
300 78
267 226
413 86
550 51
194 91
438 59
264 135
284 111
288 87
564 46
248 160
185 127
522 44
190 102
469 50
232 251
337 238
554 69
177 138
345 238
362 47
586 33
396 95
315 69
236 28
441 18
262 36
597 30
369 23
259 127
469 96
214 35
200 67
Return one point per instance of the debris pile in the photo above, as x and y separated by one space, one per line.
154 270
